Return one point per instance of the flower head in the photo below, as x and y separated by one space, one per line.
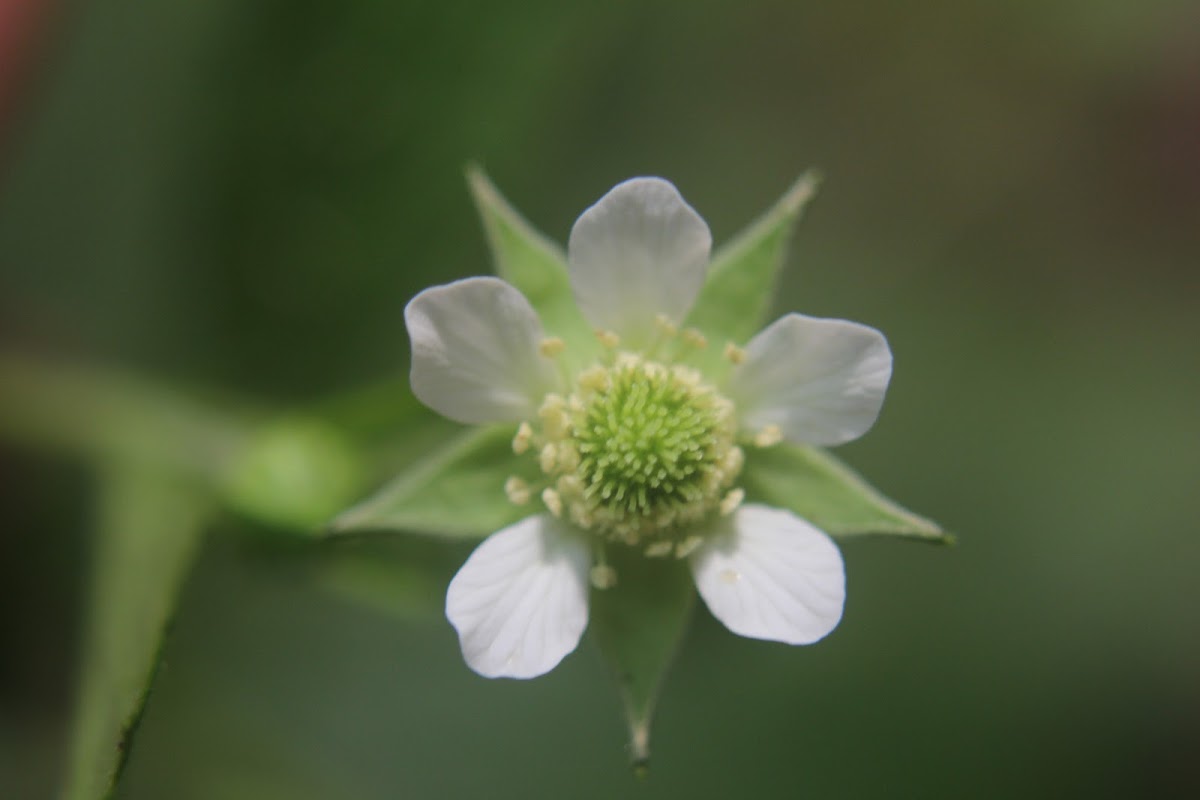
640 447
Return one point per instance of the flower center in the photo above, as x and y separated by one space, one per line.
639 452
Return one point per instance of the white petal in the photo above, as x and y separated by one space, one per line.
821 381
475 352
520 602
638 252
770 575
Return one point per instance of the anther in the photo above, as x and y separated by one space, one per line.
552 501
551 346
548 458
695 338
734 354
770 435
733 462
659 549
731 501
687 376
608 339
568 485
520 442
594 379
517 490
603 576
554 416
665 326
581 517
688 546
628 361
567 457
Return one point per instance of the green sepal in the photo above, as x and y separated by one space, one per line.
737 295
149 529
455 492
638 625
821 489
535 265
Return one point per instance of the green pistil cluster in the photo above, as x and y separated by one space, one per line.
638 453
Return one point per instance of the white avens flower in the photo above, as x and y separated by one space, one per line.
639 449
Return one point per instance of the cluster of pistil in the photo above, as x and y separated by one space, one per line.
638 452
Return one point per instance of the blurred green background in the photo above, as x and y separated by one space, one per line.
243 196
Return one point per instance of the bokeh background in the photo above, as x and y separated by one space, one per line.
242 197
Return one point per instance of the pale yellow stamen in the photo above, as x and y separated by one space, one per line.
603 576
552 501
731 501
553 414
665 326
551 346
688 546
567 457
734 354
733 462
770 435
608 339
659 549
695 338
548 458
594 379
520 442
581 517
629 361
518 491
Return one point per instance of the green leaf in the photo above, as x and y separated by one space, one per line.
736 298
830 495
534 264
456 492
638 625
148 532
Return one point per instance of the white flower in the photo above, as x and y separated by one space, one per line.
639 449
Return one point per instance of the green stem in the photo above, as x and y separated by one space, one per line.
95 413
